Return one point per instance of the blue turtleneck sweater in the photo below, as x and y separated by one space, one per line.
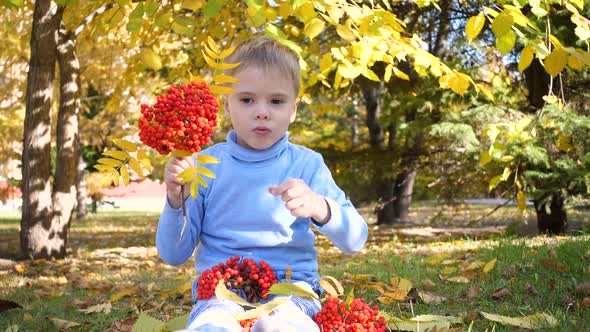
236 215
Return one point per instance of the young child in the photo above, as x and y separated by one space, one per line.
267 195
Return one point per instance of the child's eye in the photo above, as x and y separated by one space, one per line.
277 101
246 100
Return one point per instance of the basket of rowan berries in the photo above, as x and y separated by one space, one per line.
183 118
244 276
358 316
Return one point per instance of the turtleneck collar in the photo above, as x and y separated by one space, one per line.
242 153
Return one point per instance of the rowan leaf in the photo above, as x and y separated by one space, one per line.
262 310
124 174
135 166
221 79
221 90
328 288
206 172
117 154
206 159
181 153
124 144
337 284
285 288
222 293
110 161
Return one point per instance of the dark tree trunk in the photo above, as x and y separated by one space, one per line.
537 82
554 221
373 95
36 231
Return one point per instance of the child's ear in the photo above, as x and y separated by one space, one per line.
294 111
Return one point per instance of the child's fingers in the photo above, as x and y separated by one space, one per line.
294 203
280 189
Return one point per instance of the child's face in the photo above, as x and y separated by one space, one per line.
262 107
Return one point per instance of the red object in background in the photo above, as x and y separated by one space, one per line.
145 189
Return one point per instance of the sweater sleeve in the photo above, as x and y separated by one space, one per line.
346 228
171 248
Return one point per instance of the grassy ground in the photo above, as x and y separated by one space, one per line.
113 273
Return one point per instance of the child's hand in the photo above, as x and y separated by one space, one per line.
301 200
174 167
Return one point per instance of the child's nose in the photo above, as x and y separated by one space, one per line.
262 114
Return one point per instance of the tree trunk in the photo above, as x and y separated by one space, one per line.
36 230
68 152
81 193
554 222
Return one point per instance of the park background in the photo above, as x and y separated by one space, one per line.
459 130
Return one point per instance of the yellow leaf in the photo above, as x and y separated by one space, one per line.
62 324
135 166
526 57
388 71
348 72
225 79
222 293
124 144
201 181
220 90
460 279
313 27
502 23
144 160
206 172
206 159
459 84
328 288
346 34
574 62
563 143
505 42
486 91
285 9
507 158
474 26
227 52
124 174
485 158
194 189
336 283
368 73
187 175
539 320
186 287
117 154
110 161
325 63
285 288
262 310
151 59
181 153
19 268
212 44
116 178
193 5
521 199
401 74
125 292
556 61
104 168
489 265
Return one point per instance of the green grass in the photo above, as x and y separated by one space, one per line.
113 253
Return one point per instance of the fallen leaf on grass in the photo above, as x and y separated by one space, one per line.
124 324
103 307
501 293
182 289
421 323
7 305
19 268
583 289
428 284
552 264
528 322
430 298
489 265
146 322
531 290
585 303
473 292
125 292
459 279
63 324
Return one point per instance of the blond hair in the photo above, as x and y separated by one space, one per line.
267 53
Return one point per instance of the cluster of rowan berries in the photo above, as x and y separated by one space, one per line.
247 324
183 118
241 275
358 317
